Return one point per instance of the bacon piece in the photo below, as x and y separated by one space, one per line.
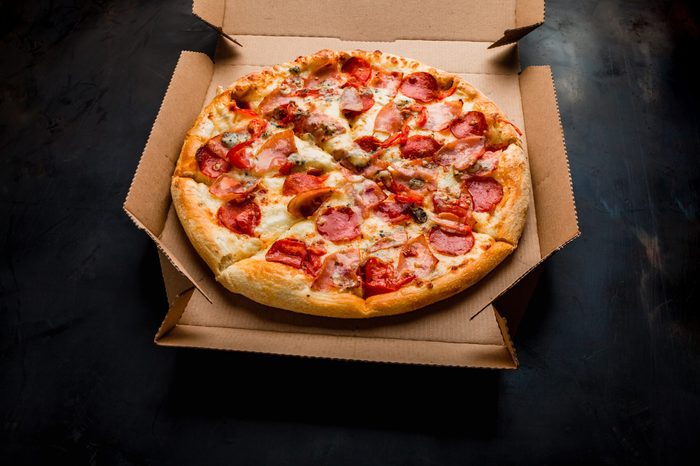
339 271
306 203
419 146
416 259
240 217
300 182
486 164
321 126
451 244
379 277
228 188
392 240
462 153
486 193
439 115
389 119
394 212
358 68
420 86
295 253
387 81
209 164
274 152
339 224
473 123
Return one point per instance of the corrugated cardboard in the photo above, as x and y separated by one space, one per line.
465 330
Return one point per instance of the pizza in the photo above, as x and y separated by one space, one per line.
351 184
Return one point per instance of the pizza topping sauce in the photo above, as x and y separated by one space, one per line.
228 188
451 244
473 123
307 202
416 259
388 82
461 153
358 69
419 146
209 164
393 239
486 193
441 114
339 224
296 183
240 217
379 277
296 254
339 271
420 86
274 152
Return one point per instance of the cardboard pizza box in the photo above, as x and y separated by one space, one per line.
474 38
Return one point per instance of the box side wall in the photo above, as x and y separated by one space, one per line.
551 179
375 20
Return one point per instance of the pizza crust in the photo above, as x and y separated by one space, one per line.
237 260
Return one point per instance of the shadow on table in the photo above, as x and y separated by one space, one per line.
261 387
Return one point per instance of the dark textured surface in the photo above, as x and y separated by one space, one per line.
610 347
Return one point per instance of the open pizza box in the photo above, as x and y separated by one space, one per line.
476 39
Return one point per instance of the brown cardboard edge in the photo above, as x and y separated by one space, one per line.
425 353
186 59
505 333
538 91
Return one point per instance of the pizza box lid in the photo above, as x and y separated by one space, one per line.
468 329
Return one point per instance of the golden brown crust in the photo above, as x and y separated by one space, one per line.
279 285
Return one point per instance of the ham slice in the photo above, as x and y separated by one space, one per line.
339 271
416 259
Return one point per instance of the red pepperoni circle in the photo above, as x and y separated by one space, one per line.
358 68
420 86
452 244
486 193
339 224
240 217
211 165
419 146
473 123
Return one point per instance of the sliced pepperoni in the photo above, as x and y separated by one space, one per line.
228 188
439 115
299 182
272 101
461 153
321 126
392 240
486 164
394 212
419 146
379 277
339 271
209 164
486 193
296 254
339 224
274 152
358 68
389 119
452 244
420 86
388 82
240 217
473 123
416 258
306 203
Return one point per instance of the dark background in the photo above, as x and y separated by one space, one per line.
609 348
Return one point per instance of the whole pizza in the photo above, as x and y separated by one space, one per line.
351 184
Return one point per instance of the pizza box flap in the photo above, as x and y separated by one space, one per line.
493 21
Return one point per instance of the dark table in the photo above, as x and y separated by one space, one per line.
609 348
